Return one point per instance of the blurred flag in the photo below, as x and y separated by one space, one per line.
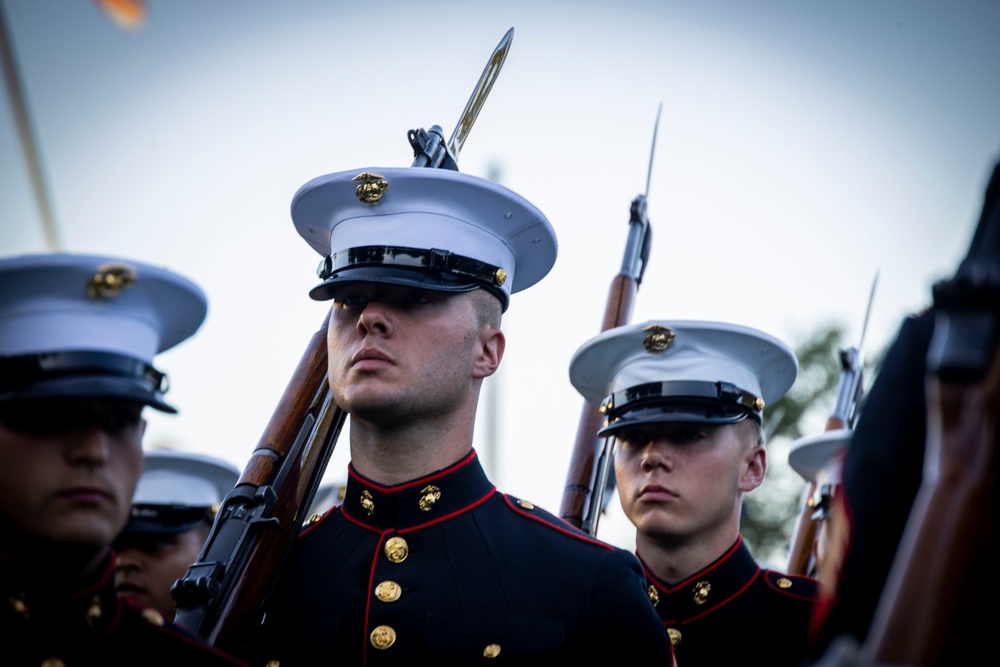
128 14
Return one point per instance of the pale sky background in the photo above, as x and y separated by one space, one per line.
803 147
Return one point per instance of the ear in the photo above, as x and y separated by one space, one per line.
754 468
492 344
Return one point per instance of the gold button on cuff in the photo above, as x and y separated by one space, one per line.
383 637
491 651
388 591
675 636
396 549
784 582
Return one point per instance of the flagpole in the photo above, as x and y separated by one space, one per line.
22 119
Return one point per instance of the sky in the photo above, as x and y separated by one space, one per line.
804 147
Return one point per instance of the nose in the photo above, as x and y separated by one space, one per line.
89 445
126 561
655 456
375 320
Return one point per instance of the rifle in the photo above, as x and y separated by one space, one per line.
928 603
587 490
850 391
222 596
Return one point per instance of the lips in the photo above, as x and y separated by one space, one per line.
370 357
655 492
86 493
124 588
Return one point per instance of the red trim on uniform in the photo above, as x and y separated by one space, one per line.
368 599
309 528
422 480
727 600
565 531
783 591
701 573
109 571
463 510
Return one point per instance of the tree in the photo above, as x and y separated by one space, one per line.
769 513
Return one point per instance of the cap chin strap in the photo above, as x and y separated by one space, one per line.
432 261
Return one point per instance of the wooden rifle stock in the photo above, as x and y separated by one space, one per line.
582 497
850 389
800 554
221 596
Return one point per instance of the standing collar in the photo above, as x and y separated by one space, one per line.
419 502
706 590
88 610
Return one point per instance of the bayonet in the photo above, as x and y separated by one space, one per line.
849 393
429 149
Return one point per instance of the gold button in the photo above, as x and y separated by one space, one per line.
53 662
18 604
273 663
491 651
94 611
383 637
654 595
525 504
675 636
784 582
396 549
153 616
388 591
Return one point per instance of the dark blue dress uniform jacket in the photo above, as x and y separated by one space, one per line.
445 570
91 626
733 609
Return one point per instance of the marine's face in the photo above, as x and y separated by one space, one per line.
683 480
149 565
70 468
400 353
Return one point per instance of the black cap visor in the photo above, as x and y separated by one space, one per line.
676 411
165 519
395 275
93 387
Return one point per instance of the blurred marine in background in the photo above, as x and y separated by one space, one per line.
173 508
78 335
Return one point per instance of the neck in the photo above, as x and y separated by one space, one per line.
674 560
391 456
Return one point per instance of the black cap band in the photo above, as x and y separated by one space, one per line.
433 261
